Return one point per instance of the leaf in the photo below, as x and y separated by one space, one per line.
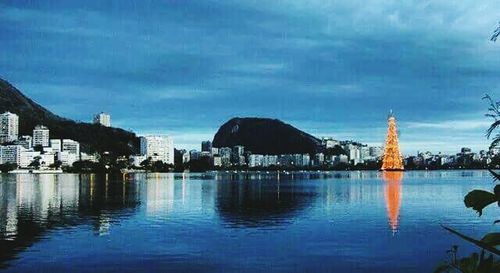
492 239
479 199
492 128
495 175
474 241
469 264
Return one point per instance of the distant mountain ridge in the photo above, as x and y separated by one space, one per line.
92 137
265 136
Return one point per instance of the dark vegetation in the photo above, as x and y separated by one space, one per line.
486 260
92 137
266 136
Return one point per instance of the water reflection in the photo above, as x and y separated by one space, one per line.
32 205
393 195
294 222
261 203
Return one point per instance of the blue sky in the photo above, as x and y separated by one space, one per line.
331 68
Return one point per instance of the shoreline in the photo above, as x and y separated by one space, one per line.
226 171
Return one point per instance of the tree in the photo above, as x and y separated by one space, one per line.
7 167
56 165
35 164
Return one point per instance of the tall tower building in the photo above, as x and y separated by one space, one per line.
41 136
9 127
393 161
103 119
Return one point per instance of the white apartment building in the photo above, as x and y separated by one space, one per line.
67 158
71 146
11 154
56 145
158 147
9 127
255 160
41 136
103 119
27 157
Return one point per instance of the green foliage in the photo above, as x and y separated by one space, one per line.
478 200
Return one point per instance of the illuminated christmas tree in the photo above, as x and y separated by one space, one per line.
393 161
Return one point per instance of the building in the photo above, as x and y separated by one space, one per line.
9 127
11 154
71 146
158 147
87 157
255 160
376 151
225 154
237 155
217 161
41 136
194 155
67 158
103 119
329 142
56 145
25 141
206 146
319 159
270 160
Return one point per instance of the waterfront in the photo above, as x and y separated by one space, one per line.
225 222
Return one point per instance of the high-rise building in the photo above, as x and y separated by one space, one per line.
71 146
159 148
9 127
103 119
11 154
41 136
206 146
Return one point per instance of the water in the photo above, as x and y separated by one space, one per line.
302 222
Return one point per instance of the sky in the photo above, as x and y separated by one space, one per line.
330 68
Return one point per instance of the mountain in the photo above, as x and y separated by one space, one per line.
92 137
265 136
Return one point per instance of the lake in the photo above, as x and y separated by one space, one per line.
227 222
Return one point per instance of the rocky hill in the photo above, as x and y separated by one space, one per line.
92 137
265 136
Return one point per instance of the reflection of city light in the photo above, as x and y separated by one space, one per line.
393 196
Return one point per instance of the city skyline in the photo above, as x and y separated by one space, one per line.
331 70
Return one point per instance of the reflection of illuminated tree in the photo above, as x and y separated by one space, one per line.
392 193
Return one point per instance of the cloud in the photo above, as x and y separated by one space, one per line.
326 66
473 124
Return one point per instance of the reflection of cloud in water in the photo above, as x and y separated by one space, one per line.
393 195
261 203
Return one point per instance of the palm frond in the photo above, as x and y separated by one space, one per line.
496 33
474 241
492 128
